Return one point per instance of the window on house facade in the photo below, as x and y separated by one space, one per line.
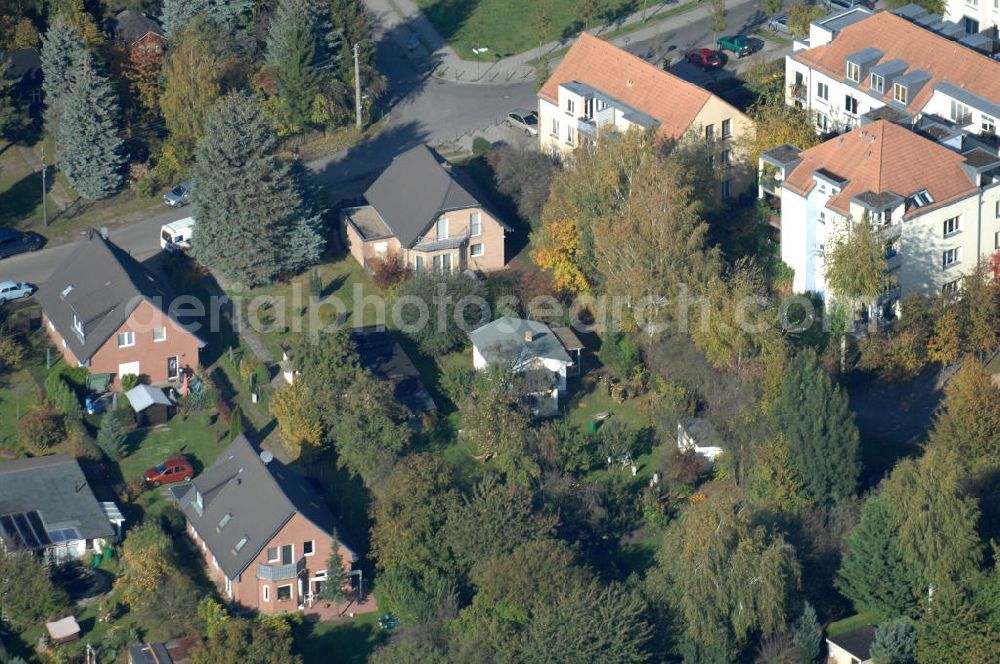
726 189
308 547
997 212
899 93
442 229
823 91
724 158
442 263
126 339
727 128
949 257
951 226
821 122
850 105
272 554
959 112
555 128
950 287
822 217
284 593
853 72
996 240
989 125
570 106
476 249
710 132
878 84
475 225
159 334
569 135
267 594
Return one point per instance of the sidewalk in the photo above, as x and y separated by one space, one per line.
400 18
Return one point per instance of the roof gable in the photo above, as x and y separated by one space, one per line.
920 49
414 189
883 157
670 100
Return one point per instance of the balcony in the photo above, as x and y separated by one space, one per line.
587 127
280 572
797 91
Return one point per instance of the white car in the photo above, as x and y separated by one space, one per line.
526 121
14 290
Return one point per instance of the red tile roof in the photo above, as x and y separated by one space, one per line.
921 49
883 157
674 102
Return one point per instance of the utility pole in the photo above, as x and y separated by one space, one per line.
357 83
45 208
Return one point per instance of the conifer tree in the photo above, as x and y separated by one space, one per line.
111 437
92 152
62 57
12 113
292 54
176 14
814 414
254 222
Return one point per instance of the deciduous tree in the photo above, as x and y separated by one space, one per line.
429 310
968 423
248 641
147 560
191 86
776 123
248 202
856 265
142 71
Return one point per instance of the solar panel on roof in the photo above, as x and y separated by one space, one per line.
9 531
27 536
35 519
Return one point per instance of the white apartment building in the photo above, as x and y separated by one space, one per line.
855 62
974 15
938 208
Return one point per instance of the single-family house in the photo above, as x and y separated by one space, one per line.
26 70
854 62
265 534
426 213
698 435
599 87
526 346
380 353
138 32
933 196
105 311
46 506
854 647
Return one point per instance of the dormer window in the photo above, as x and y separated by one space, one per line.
921 199
853 72
900 93
878 84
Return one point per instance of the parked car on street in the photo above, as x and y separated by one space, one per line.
14 290
174 469
738 44
526 121
179 196
14 242
176 235
780 24
705 58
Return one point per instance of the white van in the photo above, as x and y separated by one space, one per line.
176 236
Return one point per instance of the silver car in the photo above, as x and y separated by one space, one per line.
179 196
526 121
14 290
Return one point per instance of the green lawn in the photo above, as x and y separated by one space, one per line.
852 623
506 27
346 643
21 202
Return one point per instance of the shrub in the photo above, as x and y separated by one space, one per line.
129 381
315 284
388 270
145 186
456 381
249 364
194 401
62 396
524 175
41 430
620 353
480 146
236 424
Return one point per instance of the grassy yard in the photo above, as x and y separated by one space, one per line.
506 27
21 202
852 623
352 641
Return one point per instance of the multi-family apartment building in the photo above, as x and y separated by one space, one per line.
974 15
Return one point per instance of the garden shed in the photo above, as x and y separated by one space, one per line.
151 405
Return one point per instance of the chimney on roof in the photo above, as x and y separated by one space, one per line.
529 336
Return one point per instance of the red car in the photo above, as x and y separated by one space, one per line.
175 469
705 58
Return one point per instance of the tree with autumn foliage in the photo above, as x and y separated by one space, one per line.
969 420
775 123
147 559
142 70
945 343
557 250
192 82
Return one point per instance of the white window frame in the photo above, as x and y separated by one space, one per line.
159 334
900 93
822 91
955 253
277 555
267 593
822 123
997 215
727 128
473 252
880 88
996 240
957 106
951 286
277 593
569 134
129 339
951 226
441 223
988 124
475 224
570 106
972 3
855 68
555 128
312 545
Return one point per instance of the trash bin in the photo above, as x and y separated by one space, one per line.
97 560
592 427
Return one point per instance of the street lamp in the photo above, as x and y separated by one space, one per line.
478 52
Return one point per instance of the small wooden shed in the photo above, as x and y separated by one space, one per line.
151 405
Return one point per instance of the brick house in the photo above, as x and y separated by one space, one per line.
427 213
599 87
266 536
138 32
105 311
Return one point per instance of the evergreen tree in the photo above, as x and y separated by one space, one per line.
249 203
894 642
872 573
291 54
816 418
61 57
334 586
236 424
92 153
808 635
111 437
176 14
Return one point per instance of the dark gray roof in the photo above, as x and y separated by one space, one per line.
25 63
130 27
884 113
503 340
911 11
865 56
878 201
415 188
857 642
55 487
783 155
979 158
381 354
260 499
102 285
